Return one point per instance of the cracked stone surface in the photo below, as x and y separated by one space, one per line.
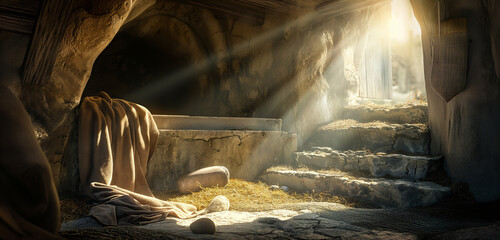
245 154
375 191
298 223
412 139
313 220
394 114
377 165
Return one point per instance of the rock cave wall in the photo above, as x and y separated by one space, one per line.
52 103
276 66
181 59
154 61
272 67
465 129
13 47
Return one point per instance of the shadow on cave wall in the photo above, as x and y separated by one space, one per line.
142 65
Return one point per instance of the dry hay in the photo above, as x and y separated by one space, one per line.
416 98
243 196
330 171
249 196
350 123
73 208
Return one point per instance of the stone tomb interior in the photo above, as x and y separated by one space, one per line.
345 119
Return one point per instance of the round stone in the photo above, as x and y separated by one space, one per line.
219 204
203 226
205 177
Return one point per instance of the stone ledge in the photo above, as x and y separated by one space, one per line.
375 191
246 154
183 122
412 139
392 165
394 114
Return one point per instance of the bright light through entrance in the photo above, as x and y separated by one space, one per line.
388 57
403 22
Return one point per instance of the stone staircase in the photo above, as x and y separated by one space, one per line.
376 154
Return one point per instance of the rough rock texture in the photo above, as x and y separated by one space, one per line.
486 232
276 224
178 57
13 48
325 220
90 28
404 113
465 130
220 203
375 136
390 165
387 140
378 192
216 64
245 153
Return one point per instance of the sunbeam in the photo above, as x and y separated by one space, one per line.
346 54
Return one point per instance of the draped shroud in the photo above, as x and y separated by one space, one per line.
116 139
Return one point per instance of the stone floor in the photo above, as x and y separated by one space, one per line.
395 169
316 221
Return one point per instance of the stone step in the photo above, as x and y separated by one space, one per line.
375 165
348 134
246 154
375 191
405 113
184 122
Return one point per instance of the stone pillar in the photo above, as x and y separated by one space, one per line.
465 129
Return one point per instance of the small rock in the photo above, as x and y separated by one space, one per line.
203 226
218 204
274 187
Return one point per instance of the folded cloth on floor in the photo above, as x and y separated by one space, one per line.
121 206
29 205
116 139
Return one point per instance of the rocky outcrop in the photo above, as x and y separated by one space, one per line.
219 65
51 104
225 65
465 129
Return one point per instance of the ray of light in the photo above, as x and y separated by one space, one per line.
170 81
